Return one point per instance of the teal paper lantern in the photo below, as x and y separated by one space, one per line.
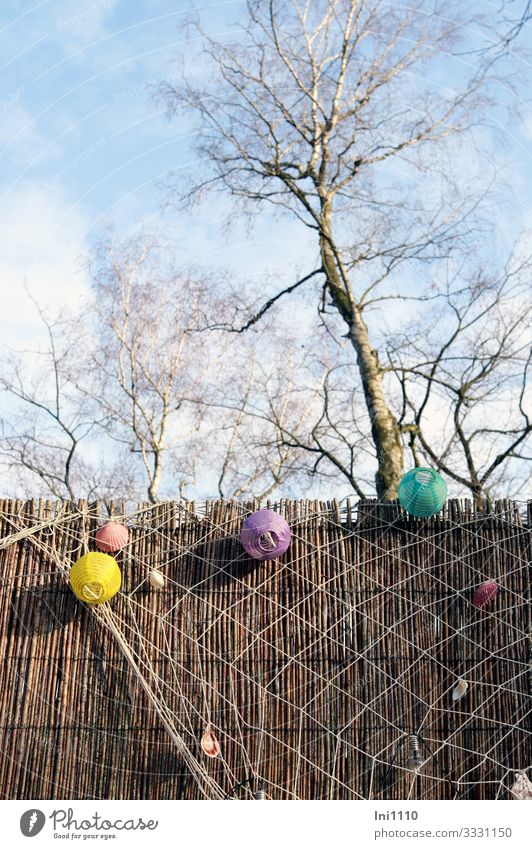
422 492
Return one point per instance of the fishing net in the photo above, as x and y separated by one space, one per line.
356 666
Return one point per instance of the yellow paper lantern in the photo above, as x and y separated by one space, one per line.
95 577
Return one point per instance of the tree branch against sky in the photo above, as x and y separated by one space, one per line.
49 425
128 397
350 117
353 298
151 366
467 369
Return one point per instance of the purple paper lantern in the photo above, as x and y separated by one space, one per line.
265 535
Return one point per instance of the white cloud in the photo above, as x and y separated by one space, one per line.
526 127
41 245
83 22
21 139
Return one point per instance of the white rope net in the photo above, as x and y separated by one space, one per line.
355 666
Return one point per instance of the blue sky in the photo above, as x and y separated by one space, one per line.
84 146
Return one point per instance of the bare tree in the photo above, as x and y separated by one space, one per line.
162 383
456 374
304 113
313 109
298 422
126 397
467 367
48 423
267 417
151 369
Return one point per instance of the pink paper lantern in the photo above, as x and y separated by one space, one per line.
112 537
265 535
485 593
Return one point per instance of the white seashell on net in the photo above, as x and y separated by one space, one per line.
157 579
522 786
460 690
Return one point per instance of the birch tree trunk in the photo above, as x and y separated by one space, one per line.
385 429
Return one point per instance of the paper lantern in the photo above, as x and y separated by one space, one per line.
460 690
265 535
112 537
209 743
157 579
485 593
422 492
95 577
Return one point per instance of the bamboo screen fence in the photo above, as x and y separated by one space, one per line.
313 670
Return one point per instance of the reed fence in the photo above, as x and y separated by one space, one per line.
313 670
